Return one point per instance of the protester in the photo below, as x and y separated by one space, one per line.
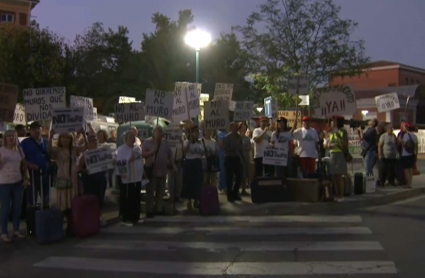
210 148
38 162
387 154
261 137
409 153
129 169
233 158
113 138
21 130
222 186
65 155
338 146
308 146
322 136
175 180
247 150
159 159
136 133
281 139
369 140
13 177
102 137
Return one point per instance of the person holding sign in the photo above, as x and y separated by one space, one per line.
281 139
308 146
261 137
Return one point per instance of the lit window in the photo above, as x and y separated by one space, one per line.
7 18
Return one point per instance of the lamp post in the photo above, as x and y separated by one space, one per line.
197 39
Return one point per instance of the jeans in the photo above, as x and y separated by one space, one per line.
369 162
233 169
8 193
35 178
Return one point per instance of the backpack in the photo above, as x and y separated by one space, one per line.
410 145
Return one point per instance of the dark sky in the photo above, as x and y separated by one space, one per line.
393 29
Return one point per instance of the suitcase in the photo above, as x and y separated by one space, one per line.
31 210
305 190
348 186
270 189
85 215
358 183
208 201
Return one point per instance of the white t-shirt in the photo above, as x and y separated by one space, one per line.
406 138
260 147
282 143
210 145
130 172
307 142
10 171
196 150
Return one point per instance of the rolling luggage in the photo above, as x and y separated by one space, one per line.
270 189
358 183
31 210
85 216
348 186
208 201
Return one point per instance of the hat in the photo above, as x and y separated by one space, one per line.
410 125
262 118
282 119
35 125
306 118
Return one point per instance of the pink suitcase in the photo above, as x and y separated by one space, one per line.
208 201
85 215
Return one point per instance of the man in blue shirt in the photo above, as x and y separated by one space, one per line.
38 161
369 146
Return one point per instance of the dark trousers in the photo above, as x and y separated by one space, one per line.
387 170
130 201
233 167
259 168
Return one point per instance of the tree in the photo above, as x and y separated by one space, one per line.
301 36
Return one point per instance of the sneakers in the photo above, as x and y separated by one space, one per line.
339 200
127 224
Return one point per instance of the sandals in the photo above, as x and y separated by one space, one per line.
6 239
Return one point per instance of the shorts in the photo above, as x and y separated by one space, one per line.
407 162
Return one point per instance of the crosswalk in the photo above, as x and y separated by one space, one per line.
236 246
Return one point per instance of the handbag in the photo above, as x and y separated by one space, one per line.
213 164
65 182
149 169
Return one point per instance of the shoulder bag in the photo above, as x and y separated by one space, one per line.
213 164
149 169
410 145
65 182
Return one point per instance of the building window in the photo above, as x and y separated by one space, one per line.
7 18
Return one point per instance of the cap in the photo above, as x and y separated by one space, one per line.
337 117
35 125
262 118
282 119
409 124
306 118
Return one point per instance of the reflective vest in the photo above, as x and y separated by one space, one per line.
336 137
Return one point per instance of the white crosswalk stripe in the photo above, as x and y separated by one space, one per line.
261 246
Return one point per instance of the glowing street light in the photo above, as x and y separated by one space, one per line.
197 39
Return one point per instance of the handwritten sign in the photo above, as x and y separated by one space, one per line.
129 112
8 99
159 103
271 108
335 100
243 110
173 135
126 100
291 116
387 102
216 114
40 102
223 91
67 119
19 117
193 95
275 156
180 102
99 160
203 98
299 84
86 102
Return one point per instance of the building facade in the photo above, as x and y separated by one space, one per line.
17 12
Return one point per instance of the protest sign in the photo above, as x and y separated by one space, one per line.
203 98
19 118
95 114
8 99
40 102
99 160
193 102
387 102
173 135
126 100
159 103
291 115
180 102
129 112
271 108
275 156
298 83
223 91
216 114
334 100
86 102
243 110
67 119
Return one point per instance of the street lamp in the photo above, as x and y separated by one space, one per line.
197 39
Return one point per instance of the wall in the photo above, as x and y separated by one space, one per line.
371 79
413 77
18 10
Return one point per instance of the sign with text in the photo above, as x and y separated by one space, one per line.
299 84
129 112
203 98
271 108
334 100
180 102
173 135
126 100
193 101
216 114
159 103
305 100
243 110
387 102
291 117
223 91
40 102
19 118
86 102
99 160
275 156
67 119
8 100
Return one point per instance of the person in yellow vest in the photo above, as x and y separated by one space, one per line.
338 146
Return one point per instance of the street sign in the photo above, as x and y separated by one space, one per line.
300 82
305 100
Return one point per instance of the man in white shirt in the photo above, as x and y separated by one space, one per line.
261 137
308 146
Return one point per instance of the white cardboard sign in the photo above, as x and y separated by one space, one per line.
86 102
216 114
40 102
335 100
19 118
180 102
99 160
300 82
387 102
129 112
243 110
203 98
275 156
223 91
193 102
126 100
159 103
67 119
173 135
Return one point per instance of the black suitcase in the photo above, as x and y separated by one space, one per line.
31 210
358 184
270 190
